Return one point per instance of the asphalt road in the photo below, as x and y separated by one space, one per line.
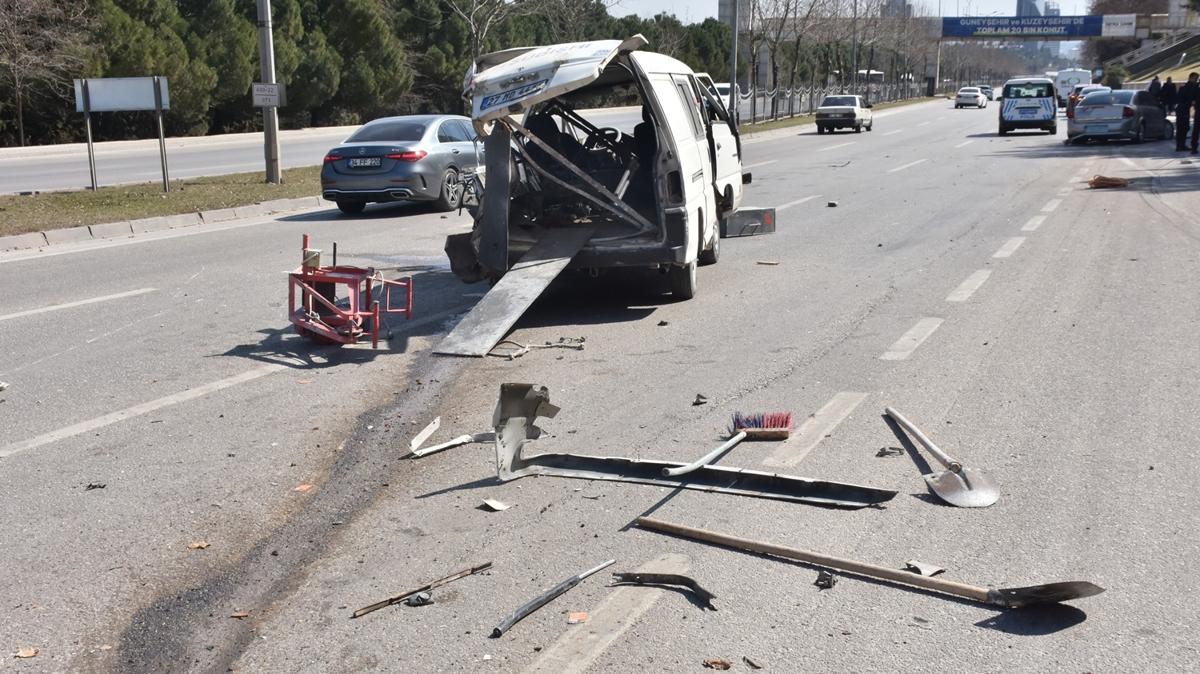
1038 331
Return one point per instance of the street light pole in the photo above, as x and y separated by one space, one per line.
733 67
854 50
266 56
937 68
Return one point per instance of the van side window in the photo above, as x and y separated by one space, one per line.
688 97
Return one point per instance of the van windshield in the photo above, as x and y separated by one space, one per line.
1028 90
839 100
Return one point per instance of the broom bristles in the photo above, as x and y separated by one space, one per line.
762 421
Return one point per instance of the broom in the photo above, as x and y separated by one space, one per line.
761 426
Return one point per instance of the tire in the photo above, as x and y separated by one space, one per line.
871 126
451 192
1003 130
858 128
1053 130
957 106
351 207
820 130
1140 135
1168 130
713 254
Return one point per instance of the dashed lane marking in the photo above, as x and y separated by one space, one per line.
815 429
834 147
79 303
908 165
909 341
892 133
1051 205
968 287
761 163
964 144
1009 247
796 202
1034 222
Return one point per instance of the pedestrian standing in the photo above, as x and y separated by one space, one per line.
1155 87
1167 95
1184 101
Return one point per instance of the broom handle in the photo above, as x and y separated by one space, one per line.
963 590
707 458
948 462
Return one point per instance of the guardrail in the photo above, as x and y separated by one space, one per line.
756 107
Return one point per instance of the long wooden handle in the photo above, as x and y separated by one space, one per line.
963 590
926 442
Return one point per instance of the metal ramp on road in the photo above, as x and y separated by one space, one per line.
487 323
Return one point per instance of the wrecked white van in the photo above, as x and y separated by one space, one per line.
562 182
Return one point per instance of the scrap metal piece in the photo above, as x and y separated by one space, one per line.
419 599
424 588
923 569
421 437
455 442
747 221
545 598
702 594
825 579
521 404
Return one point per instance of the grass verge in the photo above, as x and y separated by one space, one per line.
808 119
57 210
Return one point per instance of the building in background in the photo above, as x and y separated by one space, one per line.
896 9
1052 9
1028 8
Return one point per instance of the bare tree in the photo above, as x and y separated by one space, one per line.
570 20
41 41
483 15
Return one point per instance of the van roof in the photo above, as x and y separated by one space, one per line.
1029 80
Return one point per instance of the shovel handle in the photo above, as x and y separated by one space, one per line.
963 590
933 449
707 458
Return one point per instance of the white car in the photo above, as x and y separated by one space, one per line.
844 112
971 96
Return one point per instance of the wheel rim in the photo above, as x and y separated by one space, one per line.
451 186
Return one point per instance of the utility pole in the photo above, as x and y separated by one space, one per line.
734 99
937 68
266 56
854 50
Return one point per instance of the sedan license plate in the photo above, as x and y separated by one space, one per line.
364 162
1095 128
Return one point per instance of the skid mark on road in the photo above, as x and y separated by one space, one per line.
79 303
968 287
909 341
908 165
579 646
815 428
1009 247
796 202
1034 222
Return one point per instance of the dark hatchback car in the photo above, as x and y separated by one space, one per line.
410 158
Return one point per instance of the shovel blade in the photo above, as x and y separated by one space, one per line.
966 489
1051 593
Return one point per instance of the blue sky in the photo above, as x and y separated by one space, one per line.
697 10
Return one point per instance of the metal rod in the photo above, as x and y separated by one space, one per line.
162 141
87 123
545 598
941 456
707 458
470 571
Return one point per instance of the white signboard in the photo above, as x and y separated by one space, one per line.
1119 25
110 94
268 95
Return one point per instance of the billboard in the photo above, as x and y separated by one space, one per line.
110 94
1049 27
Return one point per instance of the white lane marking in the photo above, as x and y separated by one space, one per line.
892 133
908 165
834 147
579 646
910 340
923 123
1130 162
1009 247
138 410
964 144
761 163
796 202
968 287
1034 222
1066 191
815 428
79 303
1051 205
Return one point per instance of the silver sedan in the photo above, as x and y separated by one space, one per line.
410 158
1118 114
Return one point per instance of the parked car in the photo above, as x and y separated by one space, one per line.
971 96
1077 95
1119 114
410 158
844 112
1028 103
987 91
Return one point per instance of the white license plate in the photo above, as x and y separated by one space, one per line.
1027 112
1095 128
364 162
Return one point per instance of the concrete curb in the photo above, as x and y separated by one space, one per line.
108 230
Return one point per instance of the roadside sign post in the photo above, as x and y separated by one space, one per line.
266 55
123 94
87 124
162 141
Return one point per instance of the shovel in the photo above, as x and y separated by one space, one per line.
957 485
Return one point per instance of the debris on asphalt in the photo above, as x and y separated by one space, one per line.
767 263
958 485
424 588
239 614
1013 597
761 426
703 596
889 451
923 569
700 400
717 663
831 204
576 617
198 545
419 599
1101 182
520 405
27 652
303 488
449 444
518 349
660 324
3 385
545 598
750 663
825 579
494 505
421 437
94 485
